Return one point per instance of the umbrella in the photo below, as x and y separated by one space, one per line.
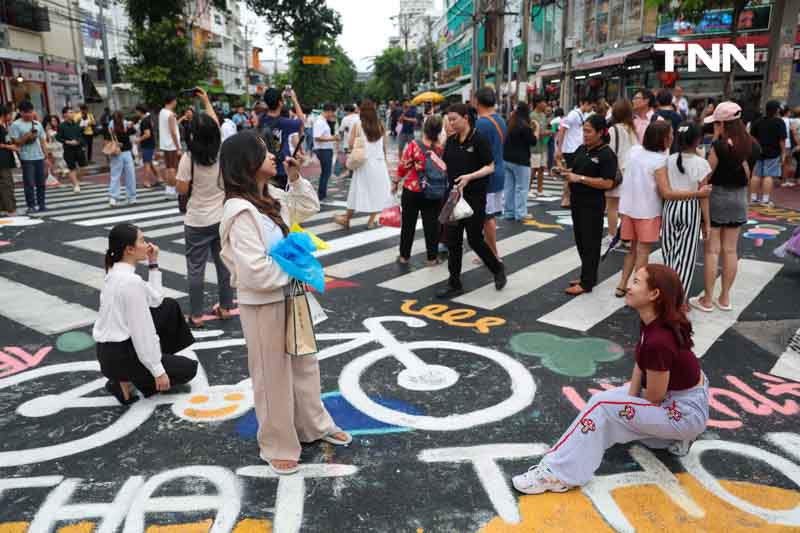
428 96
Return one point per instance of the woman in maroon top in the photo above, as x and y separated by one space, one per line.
665 405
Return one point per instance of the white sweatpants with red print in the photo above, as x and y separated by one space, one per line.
614 417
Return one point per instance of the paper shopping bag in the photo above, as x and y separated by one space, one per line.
300 337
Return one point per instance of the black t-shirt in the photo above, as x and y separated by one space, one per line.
124 139
467 157
600 162
147 124
729 172
517 148
676 119
770 134
6 156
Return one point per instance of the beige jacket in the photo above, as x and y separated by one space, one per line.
258 278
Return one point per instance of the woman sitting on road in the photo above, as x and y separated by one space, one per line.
665 405
138 330
286 390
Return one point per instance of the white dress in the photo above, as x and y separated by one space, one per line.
370 188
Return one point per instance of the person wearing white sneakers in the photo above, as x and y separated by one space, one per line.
665 405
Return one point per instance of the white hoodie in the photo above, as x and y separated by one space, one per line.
258 278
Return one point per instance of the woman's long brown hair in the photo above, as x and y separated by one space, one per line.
373 128
670 302
239 160
741 143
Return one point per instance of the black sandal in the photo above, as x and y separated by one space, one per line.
620 293
115 389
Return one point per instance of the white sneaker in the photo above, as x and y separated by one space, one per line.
76 189
538 479
532 195
132 202
113 203
606 241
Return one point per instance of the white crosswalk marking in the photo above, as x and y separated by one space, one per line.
359 239
40 311
581 314
90 204
751 278
425 277
65 191
523 281
124 218
102 207
158 222
167 261
88 275
788 364
365 263
164 232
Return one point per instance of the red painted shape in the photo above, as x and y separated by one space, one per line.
5 243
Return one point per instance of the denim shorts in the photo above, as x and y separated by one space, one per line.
769 168
147 154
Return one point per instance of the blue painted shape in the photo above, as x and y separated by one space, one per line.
345 415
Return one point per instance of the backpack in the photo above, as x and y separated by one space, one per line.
271 136
434 180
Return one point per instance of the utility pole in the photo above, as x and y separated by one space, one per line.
500 30
781 53
109 86
476 63
522 69
429 30
246 67
566 54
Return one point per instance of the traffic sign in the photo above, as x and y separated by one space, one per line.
316 60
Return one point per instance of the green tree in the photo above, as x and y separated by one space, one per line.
163 59
693 10
309 28
388 74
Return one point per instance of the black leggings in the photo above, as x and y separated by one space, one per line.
413 204
119 362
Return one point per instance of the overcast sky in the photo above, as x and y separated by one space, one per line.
366 28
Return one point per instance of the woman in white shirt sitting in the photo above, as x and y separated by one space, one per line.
256 217
138 330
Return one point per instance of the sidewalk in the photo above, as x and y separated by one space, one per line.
787 197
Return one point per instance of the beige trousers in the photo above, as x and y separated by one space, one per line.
286 389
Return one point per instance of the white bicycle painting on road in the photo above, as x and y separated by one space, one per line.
214 403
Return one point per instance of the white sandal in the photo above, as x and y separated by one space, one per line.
338 442
694 301
727 308
281 471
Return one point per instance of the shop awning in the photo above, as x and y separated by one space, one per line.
616 57
549 69
456 89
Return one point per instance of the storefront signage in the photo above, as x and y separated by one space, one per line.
450 74
714 22
718 61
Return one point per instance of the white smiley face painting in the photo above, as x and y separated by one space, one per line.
215 404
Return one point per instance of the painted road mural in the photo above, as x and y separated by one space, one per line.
446 399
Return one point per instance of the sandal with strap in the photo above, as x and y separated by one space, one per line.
221 312
620 293
194 323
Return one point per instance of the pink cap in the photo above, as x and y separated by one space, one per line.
724 112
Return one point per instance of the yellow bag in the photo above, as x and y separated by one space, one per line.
319 243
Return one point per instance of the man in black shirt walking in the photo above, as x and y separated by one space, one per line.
770 132
469 161
666 111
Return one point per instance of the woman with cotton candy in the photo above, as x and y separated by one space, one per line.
255 222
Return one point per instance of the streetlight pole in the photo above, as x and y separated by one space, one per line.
246 68
476 64
522 69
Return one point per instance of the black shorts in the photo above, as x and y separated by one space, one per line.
74 156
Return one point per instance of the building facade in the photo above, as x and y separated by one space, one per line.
41 54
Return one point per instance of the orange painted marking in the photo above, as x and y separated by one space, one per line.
80 527
13 527
194 527
200 398
210 413
234 397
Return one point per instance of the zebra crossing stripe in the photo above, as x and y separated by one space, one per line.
425 277
158 222
360 239
322 215
77 213
125 218
788 364
164 232
40 311
88 275
167 261
751 278
585 312
63 191
89 204
523 281
365 263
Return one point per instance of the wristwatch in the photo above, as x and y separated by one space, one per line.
152 266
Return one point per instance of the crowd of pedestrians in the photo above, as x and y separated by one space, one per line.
656 168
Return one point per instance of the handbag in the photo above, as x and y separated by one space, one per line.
358 155
300 337
112 148
618 176
183 198
455 208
